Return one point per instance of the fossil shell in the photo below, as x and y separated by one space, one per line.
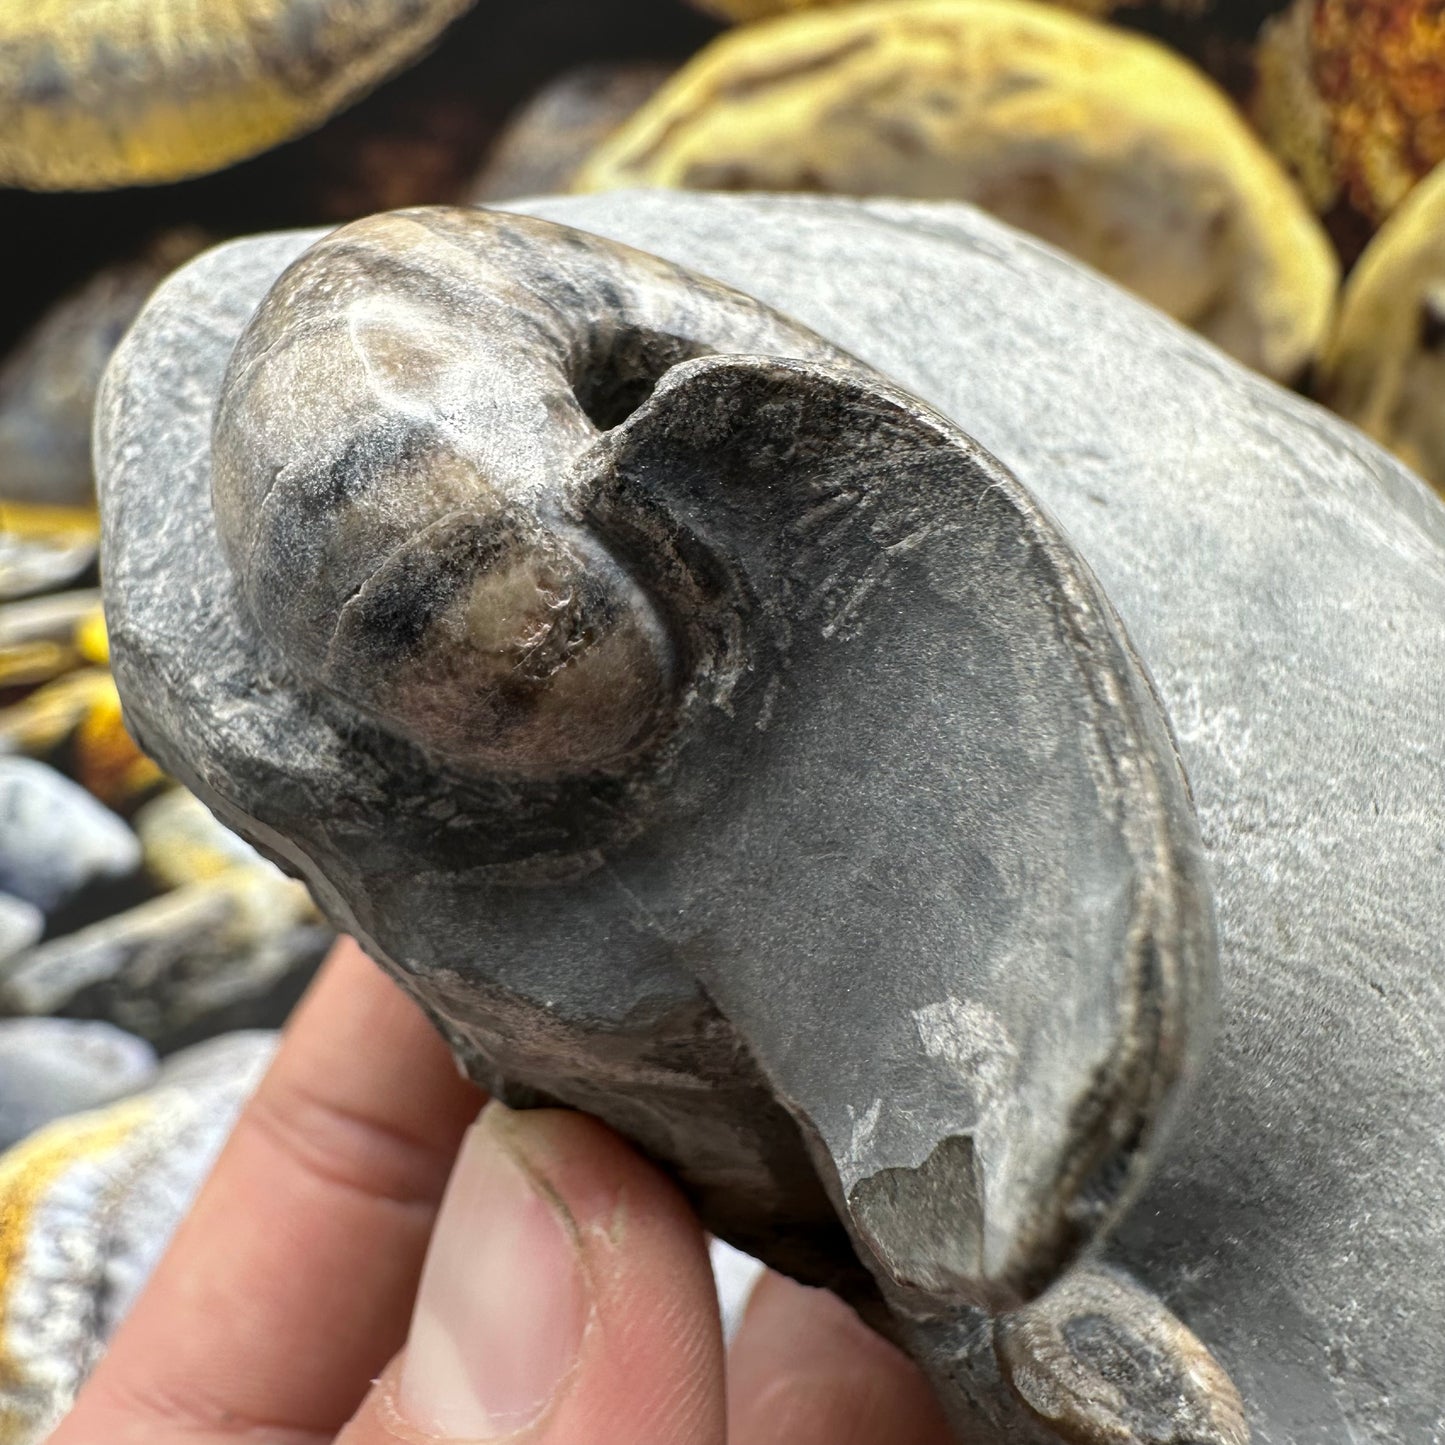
140 91
1384 367
776 917
1101 1363
536 582
1098 141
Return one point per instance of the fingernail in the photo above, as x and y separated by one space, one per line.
503 1300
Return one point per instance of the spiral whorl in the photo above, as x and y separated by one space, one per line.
397 485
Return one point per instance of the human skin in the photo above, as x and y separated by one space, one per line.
283 1308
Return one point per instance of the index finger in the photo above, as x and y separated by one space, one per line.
289 1285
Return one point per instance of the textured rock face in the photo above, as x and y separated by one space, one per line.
850 940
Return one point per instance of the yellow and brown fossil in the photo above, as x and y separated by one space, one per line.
1384 367
1351 94
141 91
1098 141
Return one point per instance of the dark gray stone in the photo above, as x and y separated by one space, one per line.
770 775
546 141
48 383
53 1067
55 839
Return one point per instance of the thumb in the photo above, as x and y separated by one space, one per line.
567 1297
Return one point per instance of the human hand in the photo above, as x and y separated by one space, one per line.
566 1296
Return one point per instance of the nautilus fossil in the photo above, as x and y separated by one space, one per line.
135 92
938 755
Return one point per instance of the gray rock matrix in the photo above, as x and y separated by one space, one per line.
865 892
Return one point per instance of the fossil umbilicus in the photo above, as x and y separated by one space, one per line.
716 738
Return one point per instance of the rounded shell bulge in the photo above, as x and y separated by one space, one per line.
137 92
1100 142
410 529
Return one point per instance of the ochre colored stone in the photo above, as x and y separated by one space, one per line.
1384 367
1101 142
139 91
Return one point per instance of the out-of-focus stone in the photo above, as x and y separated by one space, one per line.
39 636
183 842
47 718
137 92
77 719
53 1067
55 839
1099 141
1350 94
48 383
106 759
91 640
21 924
233 952
1384 367
89 1204
548 139
42 548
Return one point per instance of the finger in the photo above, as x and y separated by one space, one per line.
567 1298
289 1284
805 1370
